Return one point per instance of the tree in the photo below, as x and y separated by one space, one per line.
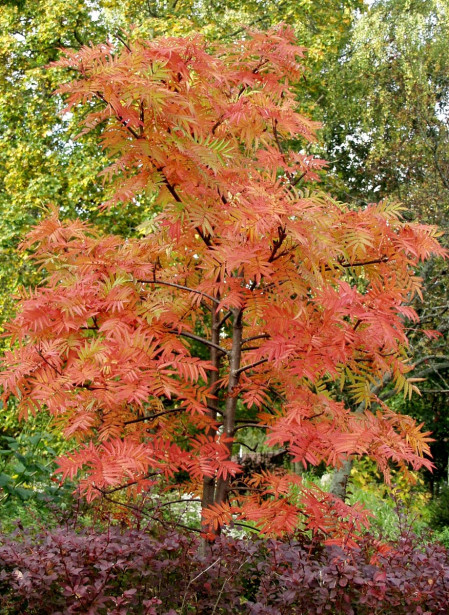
40 161
396 143
253 299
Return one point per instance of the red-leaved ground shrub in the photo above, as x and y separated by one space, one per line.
132 572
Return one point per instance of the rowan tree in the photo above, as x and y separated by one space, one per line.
253 298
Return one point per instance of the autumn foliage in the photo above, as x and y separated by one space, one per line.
253 298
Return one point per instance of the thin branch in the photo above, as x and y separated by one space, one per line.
443 178
126 485
431 370
255 70
247 367
153 417
297 179
224 319
217 124
242 29
181 287
142 118
282 234
245 421
263 336
250 527
194 579
205 238
39 352
123 42
245 425
277 394
284 253
250 348
281 150
141 512
429 358
374 261
253 449
174 502
118 116
170 186
201 340
78 37
246 488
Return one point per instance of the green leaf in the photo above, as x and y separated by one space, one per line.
5 479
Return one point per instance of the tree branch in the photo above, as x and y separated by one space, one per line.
224 319
126 485
247 367
429 357
118 116
39 352
374 261
263 336
245 425
282 234
141 512
123 42
202 340
181 287
153 417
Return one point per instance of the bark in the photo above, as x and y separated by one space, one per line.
231 400
208 496
340 480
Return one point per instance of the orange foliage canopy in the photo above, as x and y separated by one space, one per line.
254 298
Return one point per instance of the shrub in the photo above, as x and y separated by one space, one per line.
134 572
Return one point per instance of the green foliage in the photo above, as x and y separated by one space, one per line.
439 511
442 536
405 501
386 111
27 487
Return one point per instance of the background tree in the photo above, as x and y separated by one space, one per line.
386 133
386 115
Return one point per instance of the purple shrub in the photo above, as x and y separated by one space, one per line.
130 572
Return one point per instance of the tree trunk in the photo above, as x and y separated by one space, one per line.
340 480
221 492
209 482
208 496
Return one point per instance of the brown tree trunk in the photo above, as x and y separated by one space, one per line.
221 491
209 482
208 496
